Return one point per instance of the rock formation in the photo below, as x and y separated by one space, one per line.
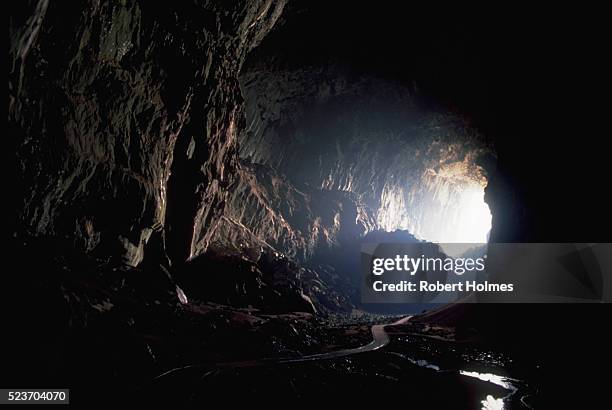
125 117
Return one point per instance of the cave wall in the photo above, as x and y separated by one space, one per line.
266 212
124 118
329 127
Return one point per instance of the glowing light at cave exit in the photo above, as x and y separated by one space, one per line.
445 206
471 220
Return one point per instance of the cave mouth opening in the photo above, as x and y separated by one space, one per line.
445 205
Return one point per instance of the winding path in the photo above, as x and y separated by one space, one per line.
380 339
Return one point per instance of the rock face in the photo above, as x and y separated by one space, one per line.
125 116
327 127
265 211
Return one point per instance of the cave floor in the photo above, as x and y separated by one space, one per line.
415 364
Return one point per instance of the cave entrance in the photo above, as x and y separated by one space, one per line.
445 205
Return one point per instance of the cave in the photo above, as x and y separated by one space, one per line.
410 166
194 185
